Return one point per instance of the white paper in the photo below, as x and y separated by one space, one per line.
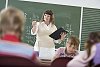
46 53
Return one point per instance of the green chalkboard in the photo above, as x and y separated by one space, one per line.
90 23
2 4
67 17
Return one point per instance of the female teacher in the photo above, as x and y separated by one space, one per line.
43 29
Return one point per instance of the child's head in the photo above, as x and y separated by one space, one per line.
93 37
72 44
48 16
11 21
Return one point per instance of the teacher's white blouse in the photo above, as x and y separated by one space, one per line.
42 36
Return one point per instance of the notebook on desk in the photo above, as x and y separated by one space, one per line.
56 35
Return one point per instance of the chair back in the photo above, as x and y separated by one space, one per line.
15 61
60 62
97 65
7 60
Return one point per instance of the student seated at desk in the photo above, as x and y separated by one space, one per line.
90 57
11 28
70 50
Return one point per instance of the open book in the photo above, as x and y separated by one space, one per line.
57 34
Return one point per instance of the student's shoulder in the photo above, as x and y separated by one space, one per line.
26 45
4 43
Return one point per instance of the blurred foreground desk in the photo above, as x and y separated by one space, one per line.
46 62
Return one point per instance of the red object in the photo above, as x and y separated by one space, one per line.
10 37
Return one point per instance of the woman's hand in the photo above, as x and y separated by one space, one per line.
34 26
63 35
34 23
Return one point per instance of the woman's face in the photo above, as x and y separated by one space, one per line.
70 48
47 17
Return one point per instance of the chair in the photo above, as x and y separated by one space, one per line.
97 65
15 61
60 62
7 60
